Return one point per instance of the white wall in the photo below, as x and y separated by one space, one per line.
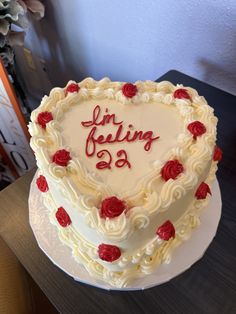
133 39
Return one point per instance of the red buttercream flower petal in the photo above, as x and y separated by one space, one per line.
112 207
202 191
197 128
108 253
181 93
61 157
62 217
217 154
42 183
171 169
43 118
129 90
72 88
166 231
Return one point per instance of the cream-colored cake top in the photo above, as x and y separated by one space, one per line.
103 138
128 118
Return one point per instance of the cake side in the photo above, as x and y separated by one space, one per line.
134 263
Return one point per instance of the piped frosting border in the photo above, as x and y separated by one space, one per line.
75 177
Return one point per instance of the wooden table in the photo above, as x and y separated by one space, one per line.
207 287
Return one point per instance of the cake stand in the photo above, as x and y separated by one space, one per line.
183 257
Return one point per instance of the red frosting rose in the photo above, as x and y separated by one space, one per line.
62 217
181 93
217 154
166 231
202 191
72 88
129 90
197 128
112 207
61 157
108 253
43 118
42 183
171 169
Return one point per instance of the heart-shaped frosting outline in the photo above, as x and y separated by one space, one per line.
76 173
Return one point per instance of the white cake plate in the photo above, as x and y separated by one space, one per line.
183 257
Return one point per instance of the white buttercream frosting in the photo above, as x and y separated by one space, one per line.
80 186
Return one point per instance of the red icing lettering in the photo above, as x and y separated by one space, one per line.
104 164
147 136
120 135
107 118
122 161
100 139
92 140
90 143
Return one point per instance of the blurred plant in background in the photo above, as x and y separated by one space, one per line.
16 12
15 19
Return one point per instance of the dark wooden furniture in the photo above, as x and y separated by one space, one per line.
207 287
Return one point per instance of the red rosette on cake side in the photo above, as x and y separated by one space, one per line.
62 217
202 191
166 231
108 252
217 154
42 184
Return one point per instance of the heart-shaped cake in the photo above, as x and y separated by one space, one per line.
124 170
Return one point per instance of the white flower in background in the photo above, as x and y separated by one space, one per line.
16 12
